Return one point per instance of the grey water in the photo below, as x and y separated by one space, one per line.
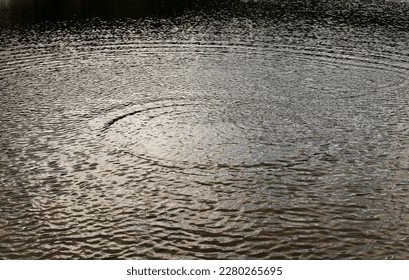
204 130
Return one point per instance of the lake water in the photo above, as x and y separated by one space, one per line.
238 130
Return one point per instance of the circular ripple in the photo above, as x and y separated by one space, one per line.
281 103
203 134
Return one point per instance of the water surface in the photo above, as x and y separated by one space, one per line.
204 133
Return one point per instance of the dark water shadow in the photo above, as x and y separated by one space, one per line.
374 12
34 11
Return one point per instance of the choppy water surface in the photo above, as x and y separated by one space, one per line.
204 137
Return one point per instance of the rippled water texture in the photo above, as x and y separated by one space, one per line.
204 137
